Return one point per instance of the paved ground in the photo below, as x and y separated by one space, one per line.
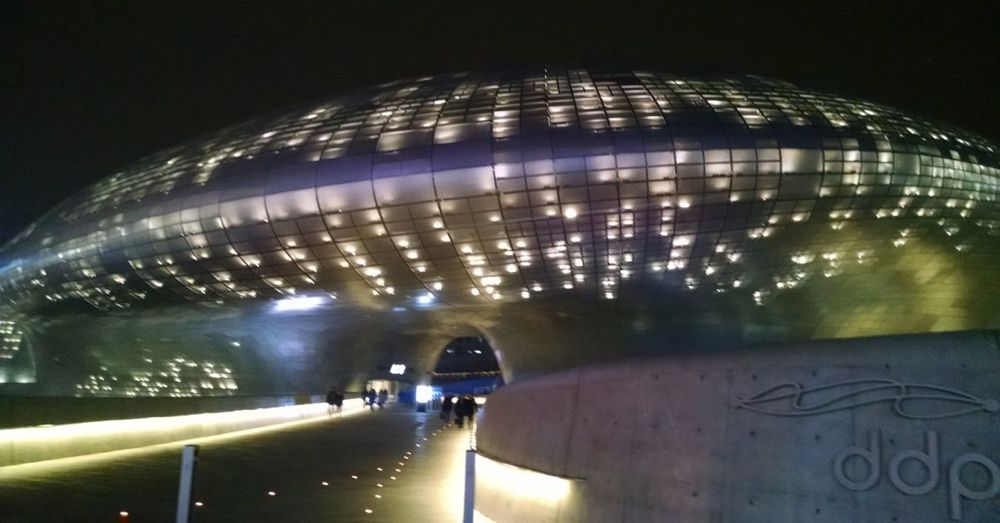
236 474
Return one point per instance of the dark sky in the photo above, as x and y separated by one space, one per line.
89 87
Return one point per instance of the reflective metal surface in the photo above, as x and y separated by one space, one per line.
565 214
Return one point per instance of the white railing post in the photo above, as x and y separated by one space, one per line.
470 486
188 459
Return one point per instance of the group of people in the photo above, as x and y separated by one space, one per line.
465 407
371 398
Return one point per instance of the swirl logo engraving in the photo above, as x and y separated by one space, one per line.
908 400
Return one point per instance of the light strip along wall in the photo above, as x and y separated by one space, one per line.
34 444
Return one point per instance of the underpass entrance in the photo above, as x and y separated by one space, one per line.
467 365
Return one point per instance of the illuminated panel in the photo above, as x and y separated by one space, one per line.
521 482
518 493
423 393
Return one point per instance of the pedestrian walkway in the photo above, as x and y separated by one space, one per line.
392 465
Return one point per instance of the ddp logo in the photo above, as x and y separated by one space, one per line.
931 462
908 400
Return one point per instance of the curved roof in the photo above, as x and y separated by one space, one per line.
474 189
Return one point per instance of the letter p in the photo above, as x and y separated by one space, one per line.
957 490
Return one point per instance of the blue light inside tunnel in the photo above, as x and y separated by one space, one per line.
298 303
425 299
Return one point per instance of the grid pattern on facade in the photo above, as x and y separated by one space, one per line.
473 189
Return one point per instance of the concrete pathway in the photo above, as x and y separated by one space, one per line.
394 465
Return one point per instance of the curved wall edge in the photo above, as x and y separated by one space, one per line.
872 429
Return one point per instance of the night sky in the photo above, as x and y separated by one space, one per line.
89 87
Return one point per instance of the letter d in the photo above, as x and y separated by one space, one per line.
930 461
872 457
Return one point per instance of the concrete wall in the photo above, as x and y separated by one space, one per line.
666 439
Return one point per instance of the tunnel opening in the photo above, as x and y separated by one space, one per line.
467 365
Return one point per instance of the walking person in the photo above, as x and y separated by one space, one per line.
372 398
332 400
446 405
383 396
338 403
472 410
461 407
468 409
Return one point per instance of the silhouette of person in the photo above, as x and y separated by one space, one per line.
383 396
446 405
335 400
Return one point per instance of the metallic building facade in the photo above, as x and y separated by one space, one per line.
568 215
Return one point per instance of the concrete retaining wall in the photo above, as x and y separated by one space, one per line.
668 439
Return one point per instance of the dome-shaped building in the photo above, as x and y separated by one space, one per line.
568 215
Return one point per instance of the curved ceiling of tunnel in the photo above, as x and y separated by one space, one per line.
473 190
